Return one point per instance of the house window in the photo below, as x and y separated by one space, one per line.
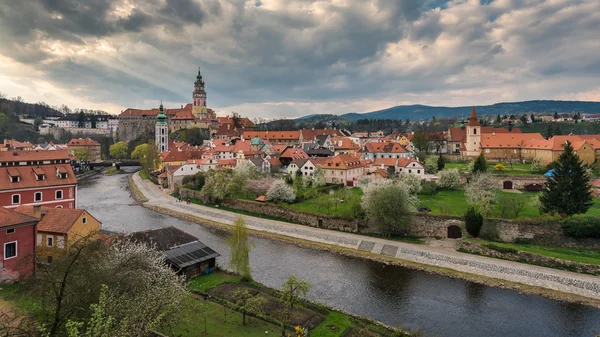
10 250
49 241
418 171
37 196
84 220
59 194
10 231
474 131
59 206
16 199
409 171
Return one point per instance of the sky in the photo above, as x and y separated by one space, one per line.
290 58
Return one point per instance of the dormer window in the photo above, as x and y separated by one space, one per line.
14 179
40 176
63 176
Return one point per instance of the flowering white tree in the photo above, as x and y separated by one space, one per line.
480 193
143 291
280 191
259 186
246 170
369 189
387 205
448 179
411 181
318 177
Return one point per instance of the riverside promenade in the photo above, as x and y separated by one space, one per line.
559 280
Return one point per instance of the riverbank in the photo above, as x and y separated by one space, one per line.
551 283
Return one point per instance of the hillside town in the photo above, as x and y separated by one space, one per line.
264 205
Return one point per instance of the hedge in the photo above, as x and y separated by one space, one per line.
582 226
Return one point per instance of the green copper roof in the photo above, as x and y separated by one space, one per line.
161 117
256 141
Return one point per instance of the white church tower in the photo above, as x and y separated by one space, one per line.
473 141
162 131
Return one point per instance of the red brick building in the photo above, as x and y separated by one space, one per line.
17 239
37 178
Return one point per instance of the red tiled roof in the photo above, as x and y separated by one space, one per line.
311 134
83 142
11 218
294 153
343 143
384 147
508 141
55 220
244 121
231 162
33 155
274 161
343 162
404 162
473 121
381 172
272 135
28 179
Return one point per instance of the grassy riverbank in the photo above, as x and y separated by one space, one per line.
581 255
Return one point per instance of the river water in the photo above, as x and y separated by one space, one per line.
396 296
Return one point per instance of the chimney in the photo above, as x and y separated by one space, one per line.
37 211
182 106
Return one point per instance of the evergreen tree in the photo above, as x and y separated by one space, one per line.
555 115
441 163
533 118
498 119
557 130
567 191
524 119
480 164
549 131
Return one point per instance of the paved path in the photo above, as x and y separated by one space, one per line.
568 282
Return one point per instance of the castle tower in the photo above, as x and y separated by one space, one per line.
161 134
199 109
473 141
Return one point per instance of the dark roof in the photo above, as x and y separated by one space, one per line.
180 248
321 152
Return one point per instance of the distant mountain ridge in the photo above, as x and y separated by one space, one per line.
420 112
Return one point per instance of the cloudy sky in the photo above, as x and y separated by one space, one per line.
287 58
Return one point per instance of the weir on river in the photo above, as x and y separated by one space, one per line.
396 296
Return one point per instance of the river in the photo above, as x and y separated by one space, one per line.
396 296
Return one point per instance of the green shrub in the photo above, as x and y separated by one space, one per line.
473 222
582 226
428 188
489 232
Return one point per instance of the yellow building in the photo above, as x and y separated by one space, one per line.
549 150
60 227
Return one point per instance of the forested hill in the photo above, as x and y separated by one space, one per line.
33 110
419 112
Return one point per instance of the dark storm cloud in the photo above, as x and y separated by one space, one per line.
297 50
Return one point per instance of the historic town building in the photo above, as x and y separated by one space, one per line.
161 133
134 122
37 178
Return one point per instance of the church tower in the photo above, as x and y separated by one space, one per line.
199 109
161 134
473 141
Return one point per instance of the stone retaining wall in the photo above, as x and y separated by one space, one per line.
424 224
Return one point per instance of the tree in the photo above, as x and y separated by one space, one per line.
248 303
448 179
318 177
533 120
557 129
480 193
141 290
280 191
473 222
388 206
555 114
420 142
147 154
536 166
118 150
524 119
441 163
480 164
220 184
549 131
37 122
498 119
411 181
567 191
291 290
81 119
246 170
431 165
81 154
240 249
259 186
500 167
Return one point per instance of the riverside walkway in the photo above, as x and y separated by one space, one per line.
563 281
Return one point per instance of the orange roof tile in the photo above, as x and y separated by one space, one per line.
343 143
33 155
507 141
55 220
311 134
294 153
28 180
343 162
272 135
83 142
11 218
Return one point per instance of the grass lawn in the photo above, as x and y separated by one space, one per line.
514 170
338 209
16 296
212 280
455 203
340 321
591 256
192 322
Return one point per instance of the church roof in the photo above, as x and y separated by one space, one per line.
473 121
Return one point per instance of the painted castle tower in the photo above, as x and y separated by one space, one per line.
199 109
473 141
161 134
